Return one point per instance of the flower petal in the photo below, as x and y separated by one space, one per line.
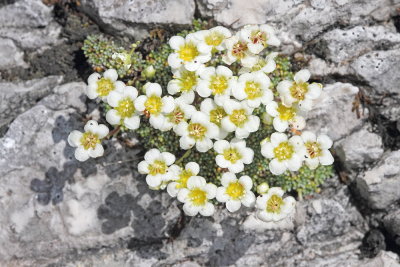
207 209
302 76
233 205
111 74
277 167
74 138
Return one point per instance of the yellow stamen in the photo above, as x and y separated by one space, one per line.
238 117
153 104
218 84
313 149
187 81
214 38
158 167
125 108
183 178
239 49
299 90
274 204
188 51
283 151
216 115
104 86
89 140
286 113
232 155
198 197
253 90
197 131
235 190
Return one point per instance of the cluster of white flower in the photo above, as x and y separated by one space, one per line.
226 103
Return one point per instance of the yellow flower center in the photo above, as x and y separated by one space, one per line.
253 90
104 86
183 178
232 154
218 84
235 190
286 113
313 149
214 38
258 37
299 90
89 140
153 104
158 167
238 117
125 108
188 51
274 204
197 131
176 116
239 49
283 151
188 80
216 115
198 197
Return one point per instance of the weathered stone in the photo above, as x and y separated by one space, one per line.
380 69
300 18
34 155
29 23
380 185
343 46
134 17
334 109
15 98
392 225
10 55
383 259
359 148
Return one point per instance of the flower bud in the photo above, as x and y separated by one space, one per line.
149 72
262 188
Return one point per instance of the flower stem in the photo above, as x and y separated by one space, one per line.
187 153
113 132
300 195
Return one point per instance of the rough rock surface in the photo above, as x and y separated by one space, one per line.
334 108
17 97
380 185
359 148
135 17
59 212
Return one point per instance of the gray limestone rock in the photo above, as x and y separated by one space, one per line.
380 186
135 17
29 23
10 55
380 69
15 98
359 148
332 114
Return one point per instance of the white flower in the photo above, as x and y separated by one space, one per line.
88 144
184 82
266 65
154 106
299 91
199 131
156 166
239 119
101 86
123 102
254 88
218 82
181 112
215 115
233 155
211 40
272 207
285 116
195 197
259 37
181 176
235 192
187 53
237 50
317 149
285 154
